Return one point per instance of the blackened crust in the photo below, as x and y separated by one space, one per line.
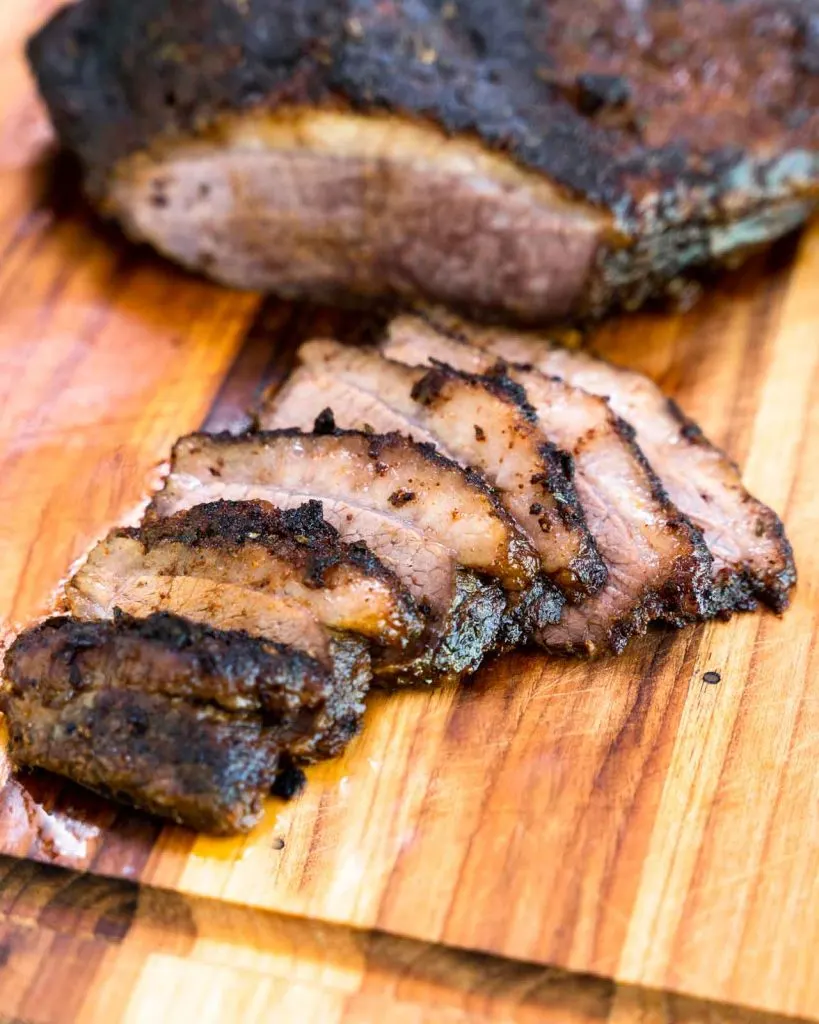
587 569
74 705
497 382
688 594
456 647
583 91
456 644
344 710
741 588
225 668
179 719
301 535
530 612
215 769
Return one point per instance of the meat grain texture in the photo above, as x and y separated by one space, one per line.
486 424
235 629
659 568
293 556
441 529
538 160
753 560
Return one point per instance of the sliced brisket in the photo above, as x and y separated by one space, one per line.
425 518
753 560
658 566
292 554
482 423
181 720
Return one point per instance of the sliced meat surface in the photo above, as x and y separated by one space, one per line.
226 606
399 498
658 565
184 721
389 477
481 423
753 561
292 554
540 159
169 567
221 605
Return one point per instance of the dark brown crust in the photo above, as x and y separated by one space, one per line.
738 588
482 618
344 710
528 613
742 588
378 444
215 768
588 569
586 572
457 647
232 704
75 703
688 594
226 668
300 536
585 92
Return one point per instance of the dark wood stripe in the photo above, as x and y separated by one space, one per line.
58 930
269 354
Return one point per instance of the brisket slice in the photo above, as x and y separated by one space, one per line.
292 554
542 159
658 565
402 500
183 721
486 424
753 561
225 606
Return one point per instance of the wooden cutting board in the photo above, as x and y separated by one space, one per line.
624 819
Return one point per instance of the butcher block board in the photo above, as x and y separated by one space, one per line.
623 819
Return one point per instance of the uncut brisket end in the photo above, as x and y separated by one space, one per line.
538 159
183 721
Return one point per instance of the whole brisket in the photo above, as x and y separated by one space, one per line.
541 159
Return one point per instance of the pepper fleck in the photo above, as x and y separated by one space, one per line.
399 498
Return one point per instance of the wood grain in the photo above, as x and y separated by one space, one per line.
148 955
623 819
